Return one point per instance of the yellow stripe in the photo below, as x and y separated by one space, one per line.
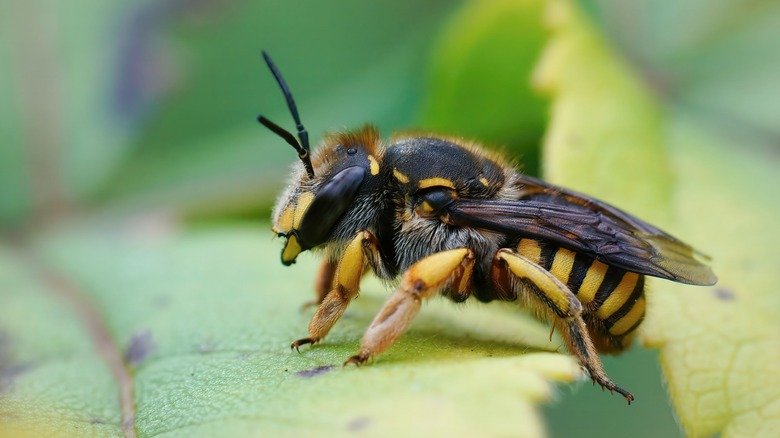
300 208
592 281
436 182
550 286
530 249
562 264
484 181
619 296
374 165
631 318
400 176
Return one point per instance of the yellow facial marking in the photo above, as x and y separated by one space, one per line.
619 296
484 181
403 179
374 165
285 222
291 250
436 182
300 208
561 267
631 318
592 281
530 249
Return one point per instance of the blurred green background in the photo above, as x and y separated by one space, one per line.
117 109
126 106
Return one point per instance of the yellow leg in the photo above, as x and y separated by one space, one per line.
514 274
447 269
345 286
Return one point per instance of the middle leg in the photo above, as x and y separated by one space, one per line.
432 274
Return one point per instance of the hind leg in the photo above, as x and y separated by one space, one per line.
514 274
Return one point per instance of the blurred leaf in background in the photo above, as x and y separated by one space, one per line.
479 76
63 125
203 150
715 60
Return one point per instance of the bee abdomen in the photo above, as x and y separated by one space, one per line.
613 299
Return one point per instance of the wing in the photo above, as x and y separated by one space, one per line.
585 225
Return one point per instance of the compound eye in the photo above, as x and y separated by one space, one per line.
329 205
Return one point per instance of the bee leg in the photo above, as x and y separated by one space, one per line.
323 285
575 334
447 269
548 296
345 286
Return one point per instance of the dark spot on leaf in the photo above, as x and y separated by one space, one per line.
141 345
724 294
10 373
314 372
9 370
97 421
358 424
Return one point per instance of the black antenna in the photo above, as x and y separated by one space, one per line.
303 147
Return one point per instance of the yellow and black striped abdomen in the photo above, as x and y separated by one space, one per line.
612 298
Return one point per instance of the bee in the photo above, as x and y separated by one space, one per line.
452 218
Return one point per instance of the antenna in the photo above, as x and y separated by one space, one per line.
301 147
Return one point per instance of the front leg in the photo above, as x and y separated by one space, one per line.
345 286
447 269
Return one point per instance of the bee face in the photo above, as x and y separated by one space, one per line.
310 208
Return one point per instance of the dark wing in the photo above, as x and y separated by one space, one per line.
588 226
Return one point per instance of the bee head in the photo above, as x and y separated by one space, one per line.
327 185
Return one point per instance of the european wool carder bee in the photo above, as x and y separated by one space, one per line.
452 218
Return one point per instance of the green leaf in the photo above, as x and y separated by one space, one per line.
53 381
203 320
479 80
611 138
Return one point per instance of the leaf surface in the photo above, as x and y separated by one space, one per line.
203 320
